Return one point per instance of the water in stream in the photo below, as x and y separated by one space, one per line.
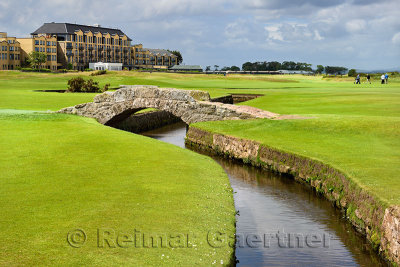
295 226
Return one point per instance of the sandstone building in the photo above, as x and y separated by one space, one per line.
148 58
41 43
79 45
10 52
74 46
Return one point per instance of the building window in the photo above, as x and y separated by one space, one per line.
36 49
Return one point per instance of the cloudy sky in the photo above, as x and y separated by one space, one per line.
363 34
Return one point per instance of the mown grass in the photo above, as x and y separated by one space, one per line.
62 172
355 128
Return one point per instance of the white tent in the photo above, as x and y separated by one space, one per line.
105 66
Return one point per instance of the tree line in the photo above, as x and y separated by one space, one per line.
275 65
285 65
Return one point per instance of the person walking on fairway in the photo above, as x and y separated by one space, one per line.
358 79
383 79
369 78
386 78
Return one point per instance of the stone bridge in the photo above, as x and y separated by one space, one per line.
192 106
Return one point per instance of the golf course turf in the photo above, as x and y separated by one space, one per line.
62 172
65 173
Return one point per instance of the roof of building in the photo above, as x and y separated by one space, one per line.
295 72
63 28
186 67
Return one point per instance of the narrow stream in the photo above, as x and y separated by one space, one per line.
286 216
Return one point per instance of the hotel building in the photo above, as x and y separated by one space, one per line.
79 45
42 43
148 58
74 46
10 52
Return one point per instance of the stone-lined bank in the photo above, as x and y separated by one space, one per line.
372 217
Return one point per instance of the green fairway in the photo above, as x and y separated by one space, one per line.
62 172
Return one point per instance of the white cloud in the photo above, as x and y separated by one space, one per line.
317 36
356 25
396 38
292 32
274 33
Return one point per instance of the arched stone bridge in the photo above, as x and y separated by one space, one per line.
191 106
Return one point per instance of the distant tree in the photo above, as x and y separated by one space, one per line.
69 66
233 68
320 69
352 73
208 68
289 65
25 63
36 59
216 67
304 66
248 66
274 65
178 55
335 70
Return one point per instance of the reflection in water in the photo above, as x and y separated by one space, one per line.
299 227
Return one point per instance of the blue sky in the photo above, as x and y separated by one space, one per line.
361 34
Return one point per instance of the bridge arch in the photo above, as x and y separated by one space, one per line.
190 106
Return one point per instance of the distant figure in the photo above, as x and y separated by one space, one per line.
383 79
358 79
386 78
368 78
